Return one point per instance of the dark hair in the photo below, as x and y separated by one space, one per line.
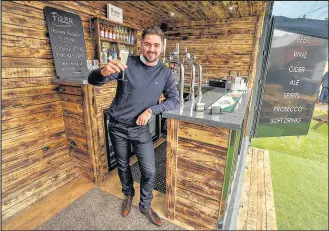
153 30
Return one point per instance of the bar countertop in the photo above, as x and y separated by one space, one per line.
231 120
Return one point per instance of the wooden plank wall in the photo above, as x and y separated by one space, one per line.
35 151
196 160
73 104
220 46
103 97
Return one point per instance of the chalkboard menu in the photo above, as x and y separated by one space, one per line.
67 43
296 67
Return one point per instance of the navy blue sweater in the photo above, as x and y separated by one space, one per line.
142 90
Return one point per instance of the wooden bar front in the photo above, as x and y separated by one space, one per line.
199 165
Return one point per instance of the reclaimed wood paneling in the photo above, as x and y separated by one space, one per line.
206 155
205 134
256 209
196 169
196 212
220 46
147 13
73 104
254 63
91 129
171 165
103 99
60 175
197 179
35 148
30 97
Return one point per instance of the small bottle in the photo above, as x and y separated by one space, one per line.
230 77
127 36
132 38
117 33
110 32
229 81
131 52
102 30
109 55
114 54
106 32
104 56
114 34
120 33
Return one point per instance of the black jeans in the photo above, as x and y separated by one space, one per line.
122 137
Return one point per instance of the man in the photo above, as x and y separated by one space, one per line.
324 97
135 101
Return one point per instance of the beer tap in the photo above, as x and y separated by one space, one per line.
199 106
192 81
188 60
199 81
174 58
164 50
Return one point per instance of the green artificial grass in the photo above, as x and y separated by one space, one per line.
300 188
300 178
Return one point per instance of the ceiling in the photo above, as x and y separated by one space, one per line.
146 13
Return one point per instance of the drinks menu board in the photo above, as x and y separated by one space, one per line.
67 43
296 66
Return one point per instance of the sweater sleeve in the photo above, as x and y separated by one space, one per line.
97 79
171 94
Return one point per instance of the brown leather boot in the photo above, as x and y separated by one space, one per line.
126 205
152 216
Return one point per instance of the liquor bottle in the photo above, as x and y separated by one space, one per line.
114 54
102 30
104 56
117 33
120 34
230 77
131 37
127 36
109 55
131 53
106 32
114 34
110 33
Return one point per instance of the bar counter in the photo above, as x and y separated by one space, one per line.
202 155
231 120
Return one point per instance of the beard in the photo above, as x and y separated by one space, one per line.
151 59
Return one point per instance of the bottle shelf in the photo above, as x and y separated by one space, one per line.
116 41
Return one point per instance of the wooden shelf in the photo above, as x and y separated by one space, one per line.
97 40
116 41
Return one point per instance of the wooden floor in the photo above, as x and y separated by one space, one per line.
257 211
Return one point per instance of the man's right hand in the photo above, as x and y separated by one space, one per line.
114 66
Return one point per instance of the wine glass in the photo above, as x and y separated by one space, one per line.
123 58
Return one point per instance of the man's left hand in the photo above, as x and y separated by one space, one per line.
144 118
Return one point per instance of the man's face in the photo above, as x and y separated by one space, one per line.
152 47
